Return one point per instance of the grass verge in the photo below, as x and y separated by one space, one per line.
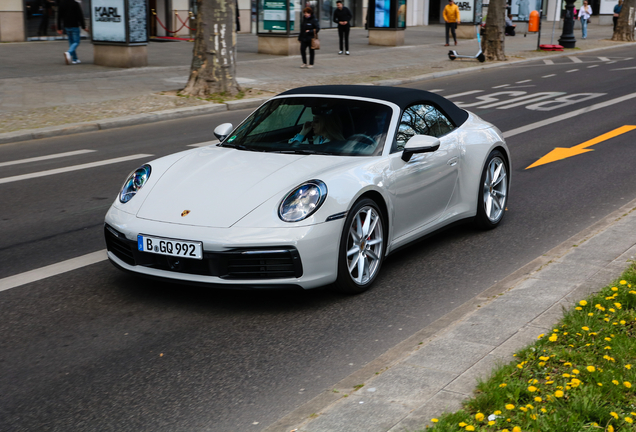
579 377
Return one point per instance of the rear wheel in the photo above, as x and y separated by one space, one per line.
493 192
362 248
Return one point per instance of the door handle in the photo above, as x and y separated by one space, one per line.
453 161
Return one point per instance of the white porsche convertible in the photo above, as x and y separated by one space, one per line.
316 187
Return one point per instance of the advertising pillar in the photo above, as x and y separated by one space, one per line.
120 32
387 22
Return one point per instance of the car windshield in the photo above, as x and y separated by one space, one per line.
315 125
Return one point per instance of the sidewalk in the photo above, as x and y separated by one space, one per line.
436 369
38 90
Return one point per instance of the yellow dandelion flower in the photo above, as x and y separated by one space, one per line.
590 314
555 330
608 347
538 399
540 336
623 282
541 364
591 368
516 429
612 310
543 410
510 407
462 424
613 414
586 328
632 292
533 381
567 364
544 358
614 289
583 303
615 382
629 420
627 384
529 406
502 385
533 416
532 389
558 394
470 428
491 423
499 413
434 420
628 366
623 322
524 409
479 416
505 430
618 306
600 384
606 319
549 382
552 338
578 308
575 371
610 428
566 375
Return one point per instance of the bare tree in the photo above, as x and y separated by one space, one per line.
213 68
625 25
492 44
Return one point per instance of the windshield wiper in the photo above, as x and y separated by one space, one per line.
241 147
301 152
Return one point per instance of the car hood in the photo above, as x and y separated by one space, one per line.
219 186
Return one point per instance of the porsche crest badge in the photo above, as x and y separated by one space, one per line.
185 213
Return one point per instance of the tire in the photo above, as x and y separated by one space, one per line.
493 192
360 259
481 58
451 56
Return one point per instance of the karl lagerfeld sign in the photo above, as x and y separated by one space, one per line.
119 21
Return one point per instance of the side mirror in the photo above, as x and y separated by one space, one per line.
419 144
223 130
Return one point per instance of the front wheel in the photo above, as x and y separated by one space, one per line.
362 247
493 192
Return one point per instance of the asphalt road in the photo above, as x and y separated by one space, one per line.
96 349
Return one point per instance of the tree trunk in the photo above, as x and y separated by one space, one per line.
492 44
625 25
213 68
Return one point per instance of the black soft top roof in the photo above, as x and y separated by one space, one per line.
403 97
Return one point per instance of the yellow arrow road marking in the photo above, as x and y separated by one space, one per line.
561 153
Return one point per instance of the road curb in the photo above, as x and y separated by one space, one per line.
176 113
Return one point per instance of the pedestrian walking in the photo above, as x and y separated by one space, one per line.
584 16
617 12
451 17
309 29
342 15
70 18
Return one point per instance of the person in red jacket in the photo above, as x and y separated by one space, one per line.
70 18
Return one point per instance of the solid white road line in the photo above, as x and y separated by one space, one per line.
566 116
52 270
41 158
72 168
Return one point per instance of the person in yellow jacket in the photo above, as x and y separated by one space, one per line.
451 16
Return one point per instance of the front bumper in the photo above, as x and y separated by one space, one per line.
238 258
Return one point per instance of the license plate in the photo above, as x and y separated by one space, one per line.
170 247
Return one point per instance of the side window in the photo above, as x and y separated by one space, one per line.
421 119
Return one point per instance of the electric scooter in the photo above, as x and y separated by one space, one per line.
452 54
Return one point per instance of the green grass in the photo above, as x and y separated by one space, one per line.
581 376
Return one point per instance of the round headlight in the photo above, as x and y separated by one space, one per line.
134 183
303 201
